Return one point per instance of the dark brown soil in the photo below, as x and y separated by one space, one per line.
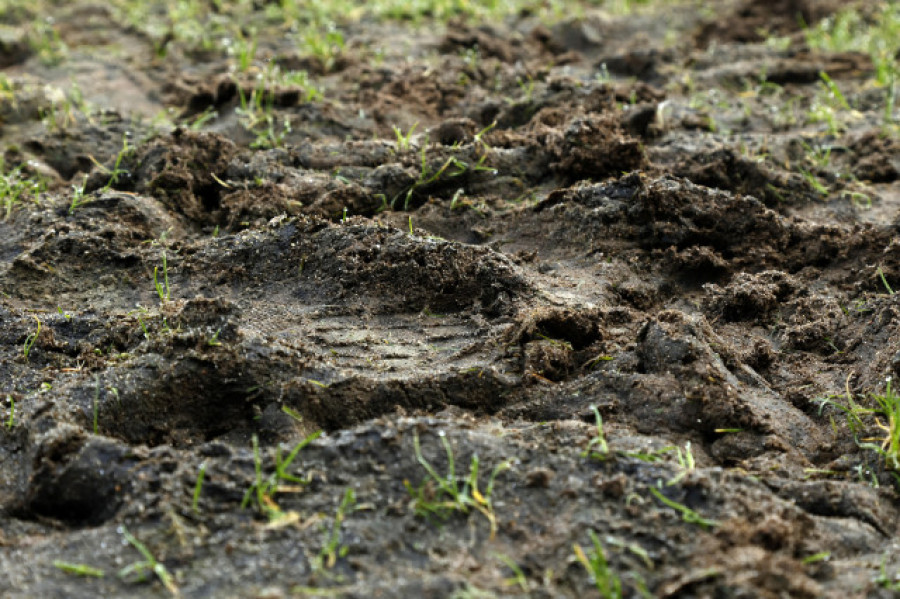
568 226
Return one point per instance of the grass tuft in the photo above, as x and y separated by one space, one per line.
608 583
263 489
884 415
440 496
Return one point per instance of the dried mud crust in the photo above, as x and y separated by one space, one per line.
456 258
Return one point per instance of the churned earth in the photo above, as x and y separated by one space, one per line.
449 299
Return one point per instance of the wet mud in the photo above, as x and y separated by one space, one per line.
598 269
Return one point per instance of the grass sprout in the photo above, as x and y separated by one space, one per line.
598 447
198 488
816 557
440 496
885 580
608 583
686 464
117 170
95 405
162 288
82 570
332 549
79 198
687 514
138 570
518 578
31 338
263 489
404 140
884 281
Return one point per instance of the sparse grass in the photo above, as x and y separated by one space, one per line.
264 489
332 548
256 112
117 171
319 591
884 415
300 79
472 592
829 106
860 200
192 26
686 464
813 181
887 406
138 571
885 580
141 312
518 578
16 187
440 496
598 449
427 176
404 139
451 168
818 155
244 49
877 35
44 39
687 514
199 121
11 421
324 43
79 198
31 338
526 85
608 583
95 405
66 108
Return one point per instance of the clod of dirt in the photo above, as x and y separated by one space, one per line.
14 46
724 169
875 157
593 146
754 20
462 243
75 149
76 480
462 37
749 297
179 169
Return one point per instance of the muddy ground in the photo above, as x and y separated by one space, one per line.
446 233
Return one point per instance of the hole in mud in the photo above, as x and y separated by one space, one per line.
210 197
578 328
81 487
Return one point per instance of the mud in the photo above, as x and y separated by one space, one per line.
457 254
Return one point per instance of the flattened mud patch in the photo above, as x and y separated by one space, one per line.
463 316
